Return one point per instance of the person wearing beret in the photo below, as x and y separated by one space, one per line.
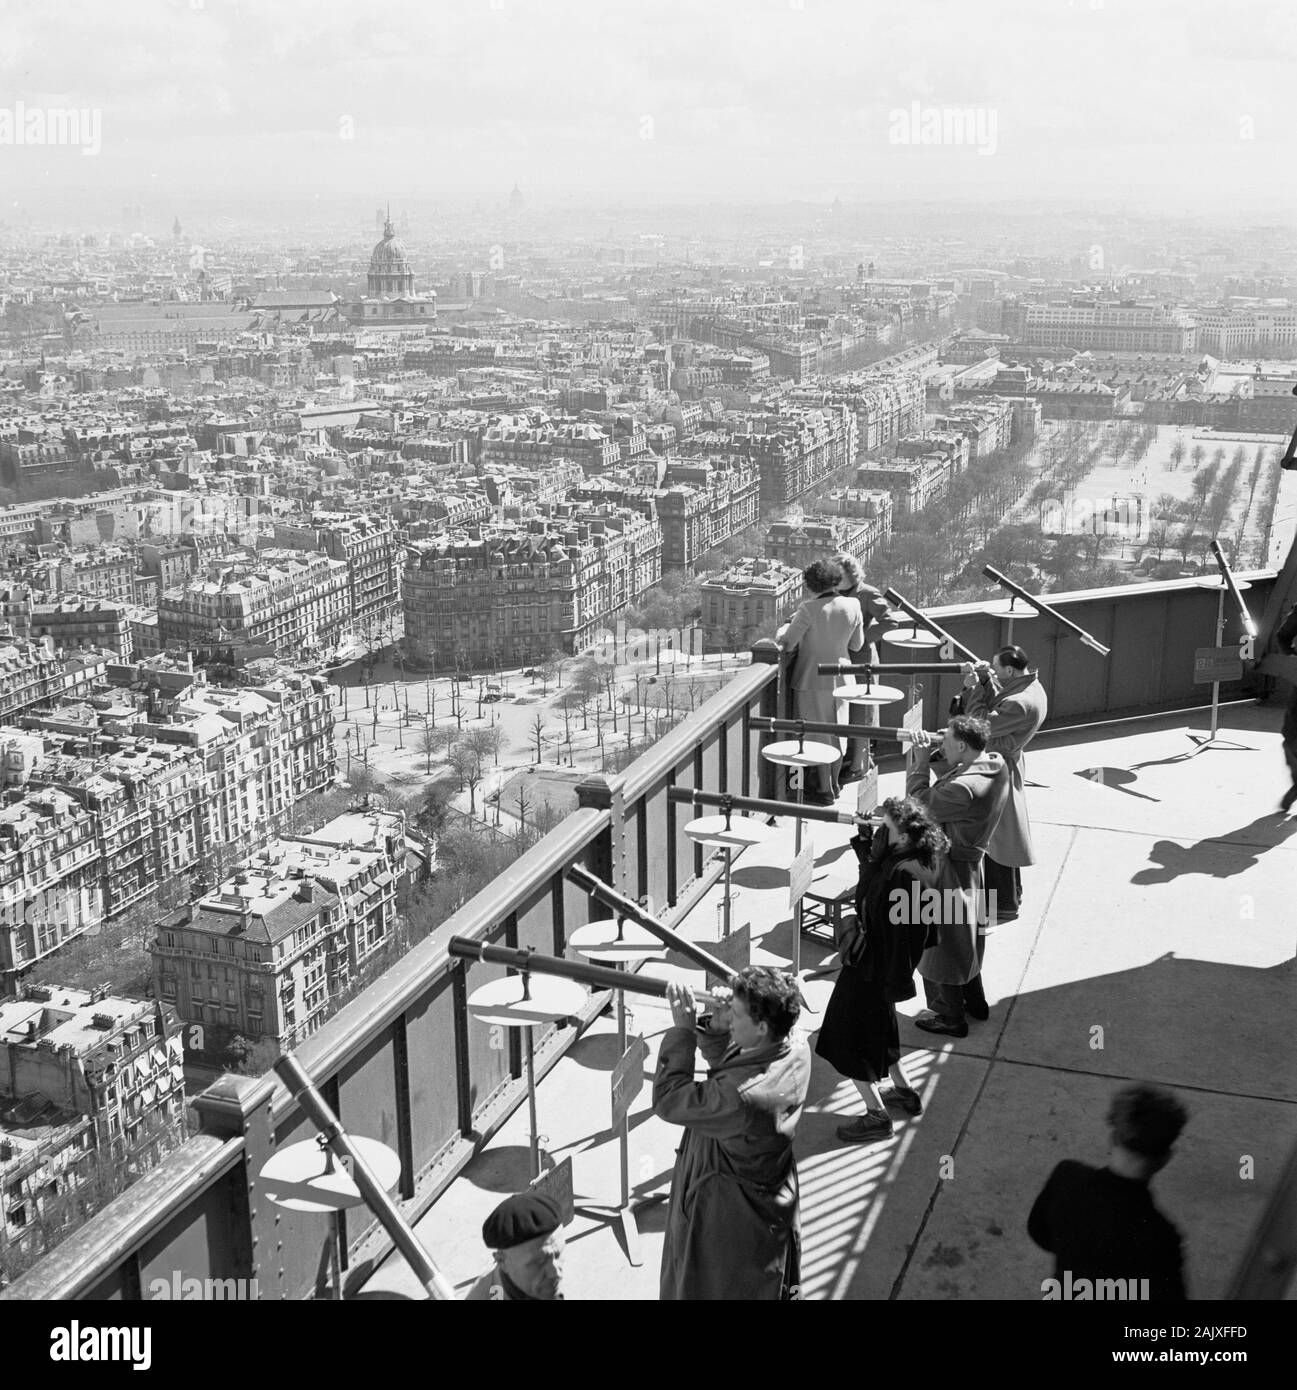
525 1233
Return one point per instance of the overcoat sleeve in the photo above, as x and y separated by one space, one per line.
948 801
797 628
713 1107
1008 721
856 642
874 603
1286 633
919 776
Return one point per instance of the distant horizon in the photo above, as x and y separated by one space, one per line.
1164 103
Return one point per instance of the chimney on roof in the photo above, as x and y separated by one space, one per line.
305 891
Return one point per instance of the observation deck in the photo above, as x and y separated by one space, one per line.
1155 943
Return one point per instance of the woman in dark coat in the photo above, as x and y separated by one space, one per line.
859 1035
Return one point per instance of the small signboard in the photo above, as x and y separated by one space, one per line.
627 1079
867 792
734 950
556 1183
1212 664
801 873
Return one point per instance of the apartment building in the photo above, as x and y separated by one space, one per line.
108 803
1269 329
1116 327
368 546
535 441
885 404
260 956
51 879
752 597
516 594
76 622
987 423
283 601
798 448
702 504
32 673
170 564
798 544
85 1073
870 505
913 483
102 573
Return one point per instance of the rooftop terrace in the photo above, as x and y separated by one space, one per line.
1159 913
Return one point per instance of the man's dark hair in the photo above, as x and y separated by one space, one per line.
770 996
972 731
1013 656
823 576
1147 1120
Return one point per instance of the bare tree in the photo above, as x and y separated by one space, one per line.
538 733
467 767
429 744
523 803
484 743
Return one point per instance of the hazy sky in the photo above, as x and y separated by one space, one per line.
1185 102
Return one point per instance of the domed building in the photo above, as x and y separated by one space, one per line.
390 300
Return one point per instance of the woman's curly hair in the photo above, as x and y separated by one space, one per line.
924 838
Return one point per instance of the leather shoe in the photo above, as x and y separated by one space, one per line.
867 1129
944 1026
906 1098
1289 798
979 1013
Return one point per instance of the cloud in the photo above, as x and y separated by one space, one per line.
458 95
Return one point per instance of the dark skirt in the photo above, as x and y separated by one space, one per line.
859 1036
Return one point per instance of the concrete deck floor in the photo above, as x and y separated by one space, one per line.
1156 943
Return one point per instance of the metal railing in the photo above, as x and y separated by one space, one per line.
401 1062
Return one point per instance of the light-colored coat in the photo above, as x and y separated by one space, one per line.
827 628
966 802
732 1230
1014 711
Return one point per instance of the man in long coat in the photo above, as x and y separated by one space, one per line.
1008 694
732 1229
966 800
826 627
1286 639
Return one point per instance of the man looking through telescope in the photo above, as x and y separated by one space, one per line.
733 1230
1007 693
